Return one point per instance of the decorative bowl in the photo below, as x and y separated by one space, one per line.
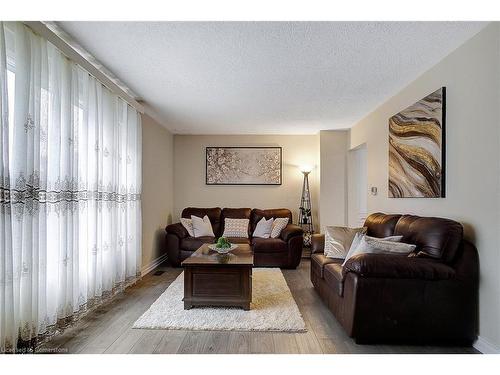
222 250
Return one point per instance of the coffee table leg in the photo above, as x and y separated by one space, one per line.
188 285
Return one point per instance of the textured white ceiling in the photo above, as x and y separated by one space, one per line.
267 77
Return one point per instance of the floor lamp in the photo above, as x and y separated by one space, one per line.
305 209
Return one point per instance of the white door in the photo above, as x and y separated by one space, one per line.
357 186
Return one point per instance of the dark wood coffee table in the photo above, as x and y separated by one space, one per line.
212 279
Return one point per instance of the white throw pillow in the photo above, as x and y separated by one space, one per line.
263 228
338 240
359 236
236 228
202 227
387 245
354 244
278 225
188 224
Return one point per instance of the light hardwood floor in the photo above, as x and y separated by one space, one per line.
109 328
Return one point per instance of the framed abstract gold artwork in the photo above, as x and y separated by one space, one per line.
417 149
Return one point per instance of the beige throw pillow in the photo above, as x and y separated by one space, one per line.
338 240
279 224
236 228
188 224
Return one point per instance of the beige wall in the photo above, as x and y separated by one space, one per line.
333 209
471 75
189 171
157 188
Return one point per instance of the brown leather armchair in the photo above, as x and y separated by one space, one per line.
285 251
428 297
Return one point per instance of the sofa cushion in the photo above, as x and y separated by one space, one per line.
436 238
389 266
319 261
332 274
268 245
238 240
213 214
192 243
381 225
403 226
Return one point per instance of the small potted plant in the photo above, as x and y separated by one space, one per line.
223 243
222 246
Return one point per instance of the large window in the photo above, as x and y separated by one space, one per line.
70 182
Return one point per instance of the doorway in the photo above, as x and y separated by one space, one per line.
357 186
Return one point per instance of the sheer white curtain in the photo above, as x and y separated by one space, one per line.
70 184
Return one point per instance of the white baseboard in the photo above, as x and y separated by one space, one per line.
485 346
152 265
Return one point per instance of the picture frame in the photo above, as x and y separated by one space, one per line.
417 149
243 165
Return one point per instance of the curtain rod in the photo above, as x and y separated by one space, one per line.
106 78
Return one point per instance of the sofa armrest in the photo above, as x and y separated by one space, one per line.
291 230
397 267
177 229
317 243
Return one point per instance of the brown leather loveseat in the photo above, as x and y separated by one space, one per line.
430 296
284 251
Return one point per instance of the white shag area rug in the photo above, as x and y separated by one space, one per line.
272 309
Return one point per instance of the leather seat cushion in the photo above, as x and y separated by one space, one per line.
268 245
192 243
333 276
398 267
319 261
239 240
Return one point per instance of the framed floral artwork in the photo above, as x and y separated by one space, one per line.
243 166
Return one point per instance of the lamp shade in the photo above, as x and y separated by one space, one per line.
305 168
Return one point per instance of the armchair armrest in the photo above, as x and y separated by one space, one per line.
317 243
177 229
291 230
397 267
